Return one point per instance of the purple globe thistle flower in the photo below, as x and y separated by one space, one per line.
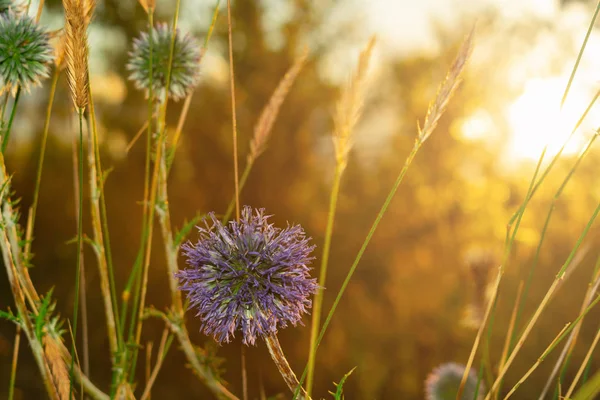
444 381
184 70
248 276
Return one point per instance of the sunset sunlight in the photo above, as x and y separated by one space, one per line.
536 120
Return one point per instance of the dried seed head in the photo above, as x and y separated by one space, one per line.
25 52
267 118
446 89
77 13
184 71
349 107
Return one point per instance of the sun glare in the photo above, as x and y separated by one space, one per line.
536 120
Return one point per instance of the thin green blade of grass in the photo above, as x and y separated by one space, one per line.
438 106
349 109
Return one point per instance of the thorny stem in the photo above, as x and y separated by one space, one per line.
8 244
282 365
206 375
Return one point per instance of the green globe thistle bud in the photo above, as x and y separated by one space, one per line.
25 52
184 71
444 381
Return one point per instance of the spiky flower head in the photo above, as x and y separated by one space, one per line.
184 70
249 276
444 381
25 52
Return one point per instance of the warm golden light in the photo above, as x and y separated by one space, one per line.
536 120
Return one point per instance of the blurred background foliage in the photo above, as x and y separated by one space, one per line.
404 310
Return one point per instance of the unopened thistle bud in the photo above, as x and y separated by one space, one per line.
184 70
25 52
443 383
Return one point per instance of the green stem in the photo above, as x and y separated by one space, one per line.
581 50
318 301
79 253
366 242
10 120
242 183
38 179
154 185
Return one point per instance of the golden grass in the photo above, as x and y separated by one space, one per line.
78 14
447 88
262 129
350 107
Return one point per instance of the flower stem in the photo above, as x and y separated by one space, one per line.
282 365
10 120
233 114
318 302
38 179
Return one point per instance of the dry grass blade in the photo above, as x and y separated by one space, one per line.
350 107
267 118
77 18
58 369
447 88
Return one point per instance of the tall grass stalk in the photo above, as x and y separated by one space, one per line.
559 277
163 348
79 247
563 333
136 272
13 365
516 217
233 115
511 327
82 283
435 111
569 346
264 125
188 99
579 55
101 235
153 193
38 178
349 109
